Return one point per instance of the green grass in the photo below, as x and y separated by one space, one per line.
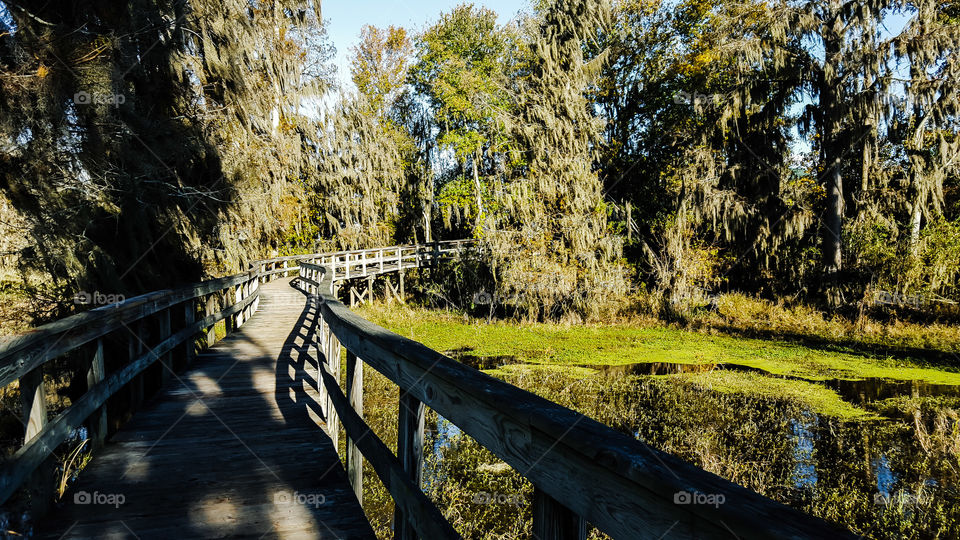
573 345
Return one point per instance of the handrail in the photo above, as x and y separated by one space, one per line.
582 471
233 299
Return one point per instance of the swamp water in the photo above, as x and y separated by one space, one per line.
894 476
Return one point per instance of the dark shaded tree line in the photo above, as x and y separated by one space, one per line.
150 143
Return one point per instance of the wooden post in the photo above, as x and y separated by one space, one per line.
134 350
319 350
355 396
403 298
239 293
370 290
410 453
553 521
34 407
332 353
166 359
228 299
98 420
212 331
189 316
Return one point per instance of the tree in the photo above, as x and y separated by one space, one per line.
148 140
551 244
379 65
462 67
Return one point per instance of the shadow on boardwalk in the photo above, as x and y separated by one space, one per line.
233 447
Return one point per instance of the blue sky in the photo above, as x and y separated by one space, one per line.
346 18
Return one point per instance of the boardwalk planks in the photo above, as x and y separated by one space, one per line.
231 447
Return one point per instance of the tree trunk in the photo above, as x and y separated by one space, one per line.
833 149
476 186
833 223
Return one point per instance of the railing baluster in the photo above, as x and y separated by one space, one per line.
33 401
553 521
189 316
166 363
333 364
355 396
410 452
320 354
134 350
211 309
95 374
228 296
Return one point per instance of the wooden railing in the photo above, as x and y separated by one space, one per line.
582 471
162 325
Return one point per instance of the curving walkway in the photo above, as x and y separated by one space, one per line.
230 448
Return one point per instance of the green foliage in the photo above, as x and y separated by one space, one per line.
463 66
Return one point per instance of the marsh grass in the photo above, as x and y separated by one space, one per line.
886 332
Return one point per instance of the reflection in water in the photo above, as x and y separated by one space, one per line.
874 389
805 470
482 362
886 478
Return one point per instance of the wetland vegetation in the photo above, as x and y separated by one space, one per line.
863 440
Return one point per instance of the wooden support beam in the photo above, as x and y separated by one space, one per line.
355 397
553 521
212 331
166 360
228 300
332 354
410 453
189 315
319 354
34 407
370 289
98 420
134 350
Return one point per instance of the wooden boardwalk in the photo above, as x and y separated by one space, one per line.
231 448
